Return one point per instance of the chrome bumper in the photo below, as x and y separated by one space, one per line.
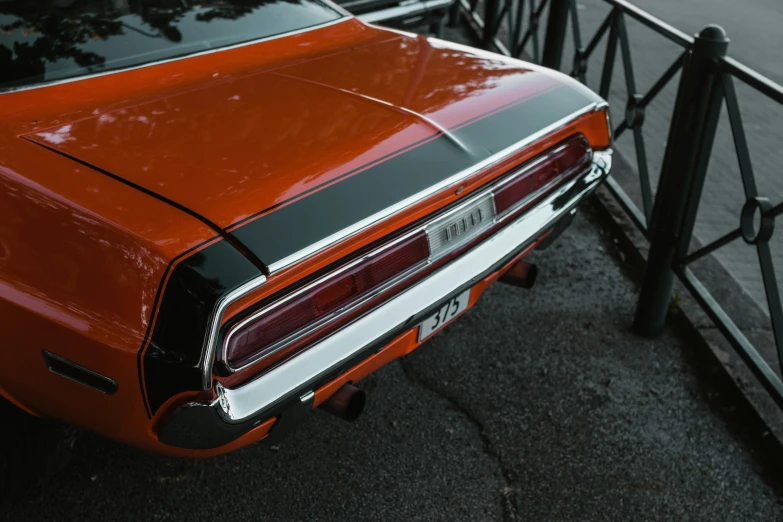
292 384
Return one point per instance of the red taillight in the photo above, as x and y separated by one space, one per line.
575 154
571 157
265 334
516 190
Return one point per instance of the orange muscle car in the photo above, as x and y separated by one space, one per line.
218 215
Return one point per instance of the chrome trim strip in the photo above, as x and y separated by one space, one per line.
238 404
456 178
340 12
208 352
403 11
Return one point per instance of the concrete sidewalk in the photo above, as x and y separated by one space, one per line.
537 405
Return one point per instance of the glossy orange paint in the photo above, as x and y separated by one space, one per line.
83 256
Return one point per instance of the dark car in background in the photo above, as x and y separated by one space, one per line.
403 14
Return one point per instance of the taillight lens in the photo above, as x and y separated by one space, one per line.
571 157
271 330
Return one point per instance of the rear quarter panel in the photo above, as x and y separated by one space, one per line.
81 259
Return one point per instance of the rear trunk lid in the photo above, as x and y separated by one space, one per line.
289 158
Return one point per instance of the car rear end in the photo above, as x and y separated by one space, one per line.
286 342
303 206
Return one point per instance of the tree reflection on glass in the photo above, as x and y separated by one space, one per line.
50 39
59 29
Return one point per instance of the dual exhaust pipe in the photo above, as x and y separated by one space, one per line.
521 274
347 403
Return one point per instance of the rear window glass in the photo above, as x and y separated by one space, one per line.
48 40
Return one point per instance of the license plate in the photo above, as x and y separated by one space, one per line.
444 314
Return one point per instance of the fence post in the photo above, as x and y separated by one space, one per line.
688 147
454 13
554 40
491 11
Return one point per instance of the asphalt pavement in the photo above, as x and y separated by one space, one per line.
536 405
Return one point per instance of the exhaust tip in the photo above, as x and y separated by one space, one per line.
522 274
347 403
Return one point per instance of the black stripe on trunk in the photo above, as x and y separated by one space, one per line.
294 227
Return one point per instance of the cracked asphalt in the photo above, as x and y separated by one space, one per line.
536 405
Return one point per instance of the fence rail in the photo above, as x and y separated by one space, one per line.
667 215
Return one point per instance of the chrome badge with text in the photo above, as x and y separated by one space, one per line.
460 225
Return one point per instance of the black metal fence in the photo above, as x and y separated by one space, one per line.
667 215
